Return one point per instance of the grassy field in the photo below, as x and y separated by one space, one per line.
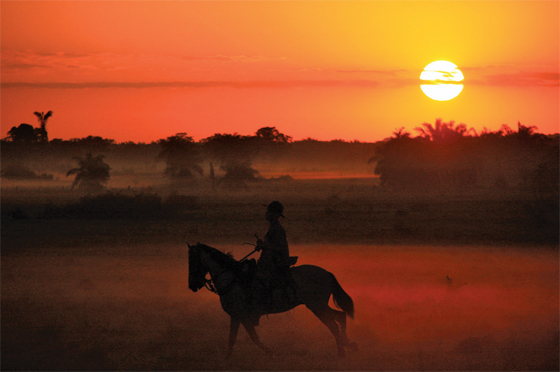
466 281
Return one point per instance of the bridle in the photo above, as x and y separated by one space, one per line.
209 283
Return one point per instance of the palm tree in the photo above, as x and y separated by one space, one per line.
433 133
443 131
42 117
525 132
91 174
400 133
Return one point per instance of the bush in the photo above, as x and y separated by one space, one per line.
21 172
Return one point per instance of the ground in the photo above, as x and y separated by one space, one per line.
456 283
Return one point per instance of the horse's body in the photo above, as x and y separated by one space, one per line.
314 289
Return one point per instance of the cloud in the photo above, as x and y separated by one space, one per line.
197 84
373 71
17 60
521 79
511 76
22 65
223 58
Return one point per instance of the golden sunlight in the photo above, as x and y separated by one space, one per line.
443 77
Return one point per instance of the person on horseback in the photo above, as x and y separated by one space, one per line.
274 263
275 253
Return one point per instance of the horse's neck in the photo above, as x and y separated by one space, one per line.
221 276
212 266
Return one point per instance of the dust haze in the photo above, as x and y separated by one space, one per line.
115 311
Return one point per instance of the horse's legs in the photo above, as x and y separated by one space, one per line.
233 328
255 337
328 318
340 318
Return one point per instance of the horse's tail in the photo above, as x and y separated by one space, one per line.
341 299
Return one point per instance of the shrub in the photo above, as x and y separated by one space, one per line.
110 205
23 173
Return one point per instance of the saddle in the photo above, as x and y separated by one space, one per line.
248 268
280 295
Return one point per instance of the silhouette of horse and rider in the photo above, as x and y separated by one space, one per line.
249 288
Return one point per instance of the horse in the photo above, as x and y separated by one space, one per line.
314 284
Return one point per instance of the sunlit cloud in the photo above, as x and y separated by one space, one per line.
100 70
197 84
12 59
224 58
372 71
27 60
511 76
522 79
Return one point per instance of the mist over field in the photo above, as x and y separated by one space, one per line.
115 311
449 271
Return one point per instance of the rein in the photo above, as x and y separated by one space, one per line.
209 284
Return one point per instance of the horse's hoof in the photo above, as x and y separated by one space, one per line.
353 346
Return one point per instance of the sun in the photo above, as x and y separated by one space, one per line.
443 77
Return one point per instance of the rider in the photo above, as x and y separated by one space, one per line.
273 264
275 252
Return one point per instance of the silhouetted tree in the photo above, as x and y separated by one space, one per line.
24 133
401 163
400 133
524 133
42 130
442 131
93 143
271 134
91 174
441 156
272 144
181 156
235 154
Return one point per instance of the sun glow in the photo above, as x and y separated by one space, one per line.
443 77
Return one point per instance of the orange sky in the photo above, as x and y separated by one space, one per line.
145 70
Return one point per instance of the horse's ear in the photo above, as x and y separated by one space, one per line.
189 245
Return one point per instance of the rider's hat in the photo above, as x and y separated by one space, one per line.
276 207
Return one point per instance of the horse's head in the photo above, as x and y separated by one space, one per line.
197 272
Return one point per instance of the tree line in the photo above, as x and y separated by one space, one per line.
446 155
441 156
223 158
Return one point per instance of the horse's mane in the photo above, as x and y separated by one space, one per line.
225 259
